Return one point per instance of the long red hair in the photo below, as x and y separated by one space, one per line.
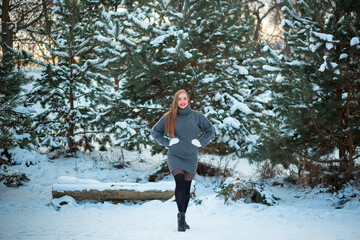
171 115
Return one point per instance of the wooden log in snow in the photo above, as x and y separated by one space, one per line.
96 191
115 195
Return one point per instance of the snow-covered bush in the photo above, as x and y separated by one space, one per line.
26 157
348 195
248 191
12 178
17 156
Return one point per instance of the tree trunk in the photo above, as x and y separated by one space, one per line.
81 189
71 121
7 33
117 81
10 27
350 143
258 25
341 146
115 195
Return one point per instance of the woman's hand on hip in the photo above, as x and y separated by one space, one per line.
173 141
196 143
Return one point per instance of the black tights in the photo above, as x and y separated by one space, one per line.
182 190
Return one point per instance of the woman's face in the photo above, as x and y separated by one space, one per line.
183 101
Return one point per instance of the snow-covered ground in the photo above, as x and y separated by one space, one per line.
27 212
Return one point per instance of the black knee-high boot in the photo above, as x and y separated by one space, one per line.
187 198
187 194
180 192
180 200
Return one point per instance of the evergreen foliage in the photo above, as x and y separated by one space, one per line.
75 91
15 118
117 64
316 92
204 47
116 36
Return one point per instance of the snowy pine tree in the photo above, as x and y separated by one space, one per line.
74 92
204 47
15 118
119 40
232 90
316 92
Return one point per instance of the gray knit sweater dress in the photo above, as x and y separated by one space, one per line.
190 124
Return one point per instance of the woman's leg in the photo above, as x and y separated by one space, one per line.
179 177
188 178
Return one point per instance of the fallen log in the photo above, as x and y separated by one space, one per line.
92 190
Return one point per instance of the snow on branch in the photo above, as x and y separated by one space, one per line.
292 12
328 65
271 68
177 15
160 39
354 41
139 23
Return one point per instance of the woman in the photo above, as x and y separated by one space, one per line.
184 126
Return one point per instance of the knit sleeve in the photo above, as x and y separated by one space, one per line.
159 130
207 128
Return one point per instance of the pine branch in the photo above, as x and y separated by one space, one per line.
9 103
15 5
83 133
329 131
26 25
313 159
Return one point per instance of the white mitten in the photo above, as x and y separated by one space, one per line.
173 141
196 143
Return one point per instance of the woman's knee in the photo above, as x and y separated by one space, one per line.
178 171
188 176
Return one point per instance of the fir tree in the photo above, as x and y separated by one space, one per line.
204 47
15 117
316 92
74 92
119 39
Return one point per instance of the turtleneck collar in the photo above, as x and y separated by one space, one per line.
184 111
